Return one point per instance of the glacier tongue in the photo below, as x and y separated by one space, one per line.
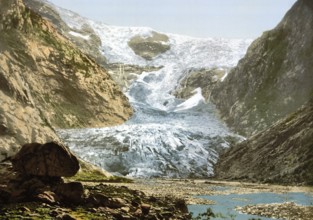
154 144
166 137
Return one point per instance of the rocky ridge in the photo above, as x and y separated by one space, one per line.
47 83
282 153
84 37
274 78
273 81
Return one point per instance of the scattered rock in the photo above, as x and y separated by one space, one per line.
72 192
65 217
145 208
116 203
288 210
46 197
125 209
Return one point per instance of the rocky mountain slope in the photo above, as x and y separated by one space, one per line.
81 33
47 83
273 81
282 154
85 37
274 78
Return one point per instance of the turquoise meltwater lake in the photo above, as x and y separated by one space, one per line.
225 204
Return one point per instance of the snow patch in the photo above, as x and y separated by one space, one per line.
86 37
192 101
225 75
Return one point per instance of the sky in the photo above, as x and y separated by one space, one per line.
197 18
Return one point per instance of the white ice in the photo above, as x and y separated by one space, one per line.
165 137
86 37
192 101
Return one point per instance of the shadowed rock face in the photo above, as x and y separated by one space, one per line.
50 159
274 78
281 154
46 82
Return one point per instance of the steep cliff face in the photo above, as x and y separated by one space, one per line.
282 154
46 82
274 78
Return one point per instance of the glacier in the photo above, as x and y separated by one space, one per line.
166 137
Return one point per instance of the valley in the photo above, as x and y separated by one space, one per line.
183 123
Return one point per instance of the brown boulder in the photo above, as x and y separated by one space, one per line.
46 197
72 192
51 159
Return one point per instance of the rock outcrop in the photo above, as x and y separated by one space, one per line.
148 47
206 79
281 154
275 77
125 74
47 83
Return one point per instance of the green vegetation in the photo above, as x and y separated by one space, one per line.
38 211
96 176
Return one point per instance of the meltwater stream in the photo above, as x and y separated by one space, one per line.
166 137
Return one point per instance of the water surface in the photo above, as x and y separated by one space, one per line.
225 204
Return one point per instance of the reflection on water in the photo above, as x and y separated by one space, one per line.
225 204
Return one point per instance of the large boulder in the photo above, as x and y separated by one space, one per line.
51 159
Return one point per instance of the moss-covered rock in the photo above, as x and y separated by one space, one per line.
91 173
